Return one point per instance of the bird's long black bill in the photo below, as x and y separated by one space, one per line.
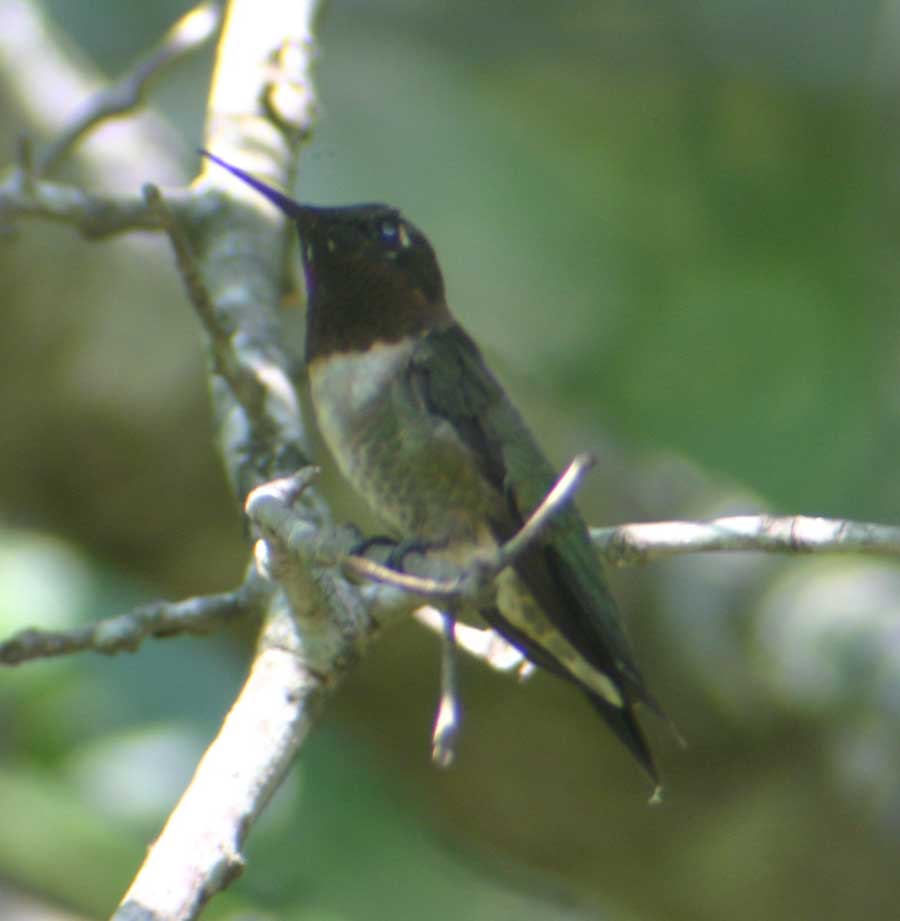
281 201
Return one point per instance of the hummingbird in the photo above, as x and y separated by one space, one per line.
424 432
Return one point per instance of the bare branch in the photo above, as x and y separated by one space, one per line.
261 430
188 34
557 499
485 644
126 632
198 853
48 80
435 590
480 643
96 216
622 545
262 91
319 624
640 543
317 632
187 265
631 544
24 195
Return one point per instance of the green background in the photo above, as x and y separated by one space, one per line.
673 226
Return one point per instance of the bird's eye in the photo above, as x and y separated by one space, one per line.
390 232
394 233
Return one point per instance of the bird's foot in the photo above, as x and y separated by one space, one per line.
362 547
404 548
397 550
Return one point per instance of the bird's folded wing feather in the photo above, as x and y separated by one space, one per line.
447 373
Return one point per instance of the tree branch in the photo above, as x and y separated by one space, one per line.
95 216
485 644
198 851
637 544
24 193
188 34
622 545
640 543
126 632
317 624
262 435
48 80
226 247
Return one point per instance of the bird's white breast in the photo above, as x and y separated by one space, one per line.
409 464
349 389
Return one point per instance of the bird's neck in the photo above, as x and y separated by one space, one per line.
362 308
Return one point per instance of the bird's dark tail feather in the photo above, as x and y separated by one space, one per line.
621 720
624 724
643 696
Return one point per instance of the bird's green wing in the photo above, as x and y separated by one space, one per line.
562 572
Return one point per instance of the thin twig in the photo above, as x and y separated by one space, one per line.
125 632
188 34
186 263
434 590
254 379
24 194
43 72
556 500
96 216
629 544
485 644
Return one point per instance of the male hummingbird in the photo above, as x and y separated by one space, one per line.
422 429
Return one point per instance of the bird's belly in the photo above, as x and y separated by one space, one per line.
409 466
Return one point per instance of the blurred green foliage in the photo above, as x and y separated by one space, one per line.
672 225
